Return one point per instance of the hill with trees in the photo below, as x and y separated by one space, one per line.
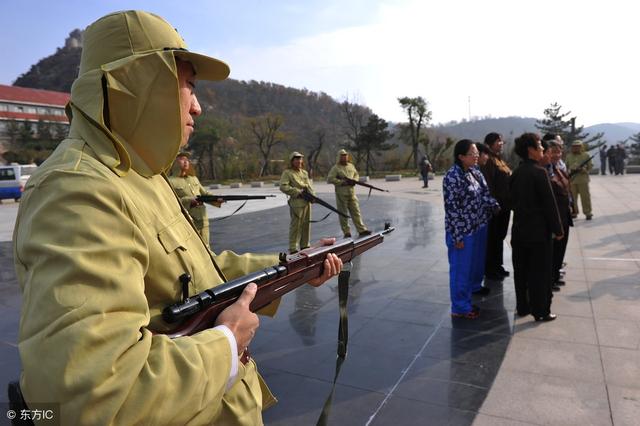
248 127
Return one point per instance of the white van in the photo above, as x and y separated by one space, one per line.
13 179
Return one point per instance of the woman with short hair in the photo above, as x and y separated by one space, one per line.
468 207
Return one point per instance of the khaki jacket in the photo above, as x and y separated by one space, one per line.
573 161
349 171
187 188
99 243
292 182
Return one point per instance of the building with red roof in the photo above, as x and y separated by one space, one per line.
21 106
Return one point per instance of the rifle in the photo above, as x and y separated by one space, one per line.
355 182
213 198
200 311
313 199
575 171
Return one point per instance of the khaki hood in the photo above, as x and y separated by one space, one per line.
125 102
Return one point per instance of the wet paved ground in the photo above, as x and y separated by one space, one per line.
407 360
409 363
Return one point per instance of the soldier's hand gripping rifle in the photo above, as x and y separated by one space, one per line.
306 195
353 182
200 311
235 197
578 169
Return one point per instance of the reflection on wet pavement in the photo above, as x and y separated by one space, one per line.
408 362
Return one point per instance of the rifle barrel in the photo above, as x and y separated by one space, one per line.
200 311
233 197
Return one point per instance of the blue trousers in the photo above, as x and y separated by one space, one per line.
464 269
479 258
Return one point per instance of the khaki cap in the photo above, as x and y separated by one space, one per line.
135 32
295 154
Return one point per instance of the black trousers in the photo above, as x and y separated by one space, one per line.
496 233
559 250
532 276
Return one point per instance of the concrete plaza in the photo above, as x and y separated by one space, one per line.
409 363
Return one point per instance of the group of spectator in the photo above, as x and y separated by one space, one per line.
480 191
615 155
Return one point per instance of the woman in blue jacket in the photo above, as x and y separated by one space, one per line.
468 207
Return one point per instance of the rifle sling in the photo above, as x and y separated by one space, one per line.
343 338
229 215
311 221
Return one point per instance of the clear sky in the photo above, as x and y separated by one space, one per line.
508 57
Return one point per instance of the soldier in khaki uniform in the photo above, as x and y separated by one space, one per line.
188 187
580 180
345 194
101 239
292 182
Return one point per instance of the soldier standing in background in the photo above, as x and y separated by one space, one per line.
580 180
345 194
293 182
188 187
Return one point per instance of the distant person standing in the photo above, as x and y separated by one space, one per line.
603 160
187 186
579 165
535 223
620 156
611 156
293 182
346 195
497 173
425 169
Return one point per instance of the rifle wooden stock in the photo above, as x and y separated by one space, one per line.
235 197
355 182
200 312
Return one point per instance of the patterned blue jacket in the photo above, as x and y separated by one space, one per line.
468 204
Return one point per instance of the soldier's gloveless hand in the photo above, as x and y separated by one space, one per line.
241 321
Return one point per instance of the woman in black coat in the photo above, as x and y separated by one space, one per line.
536 222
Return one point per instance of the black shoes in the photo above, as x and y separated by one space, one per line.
560 283
483 291
364 233
347 235
494 277
589 216
554 287
546 318
500 275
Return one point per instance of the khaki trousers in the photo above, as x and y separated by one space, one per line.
300 227
349 203
581 190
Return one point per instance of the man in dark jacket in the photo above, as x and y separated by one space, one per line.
536 222
496 172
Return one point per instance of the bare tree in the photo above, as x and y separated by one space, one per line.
419 117
266 130
312 158
356 117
